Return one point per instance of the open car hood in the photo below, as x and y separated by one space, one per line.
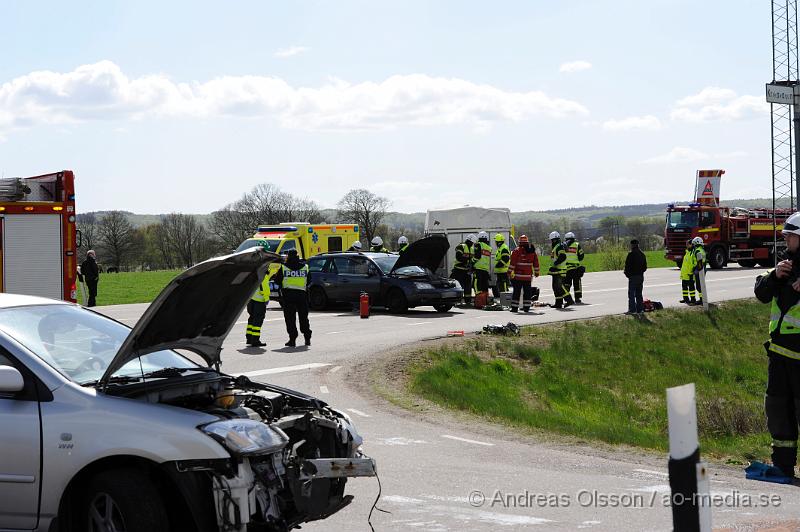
427 253
197 309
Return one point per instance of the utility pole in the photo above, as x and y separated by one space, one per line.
783 95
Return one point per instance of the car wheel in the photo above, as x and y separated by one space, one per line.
442 308
317 299
124 500
747 263
716 257
396 301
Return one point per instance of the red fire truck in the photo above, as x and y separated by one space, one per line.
38 238
730 234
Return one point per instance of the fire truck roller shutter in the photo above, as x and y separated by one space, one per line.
33 255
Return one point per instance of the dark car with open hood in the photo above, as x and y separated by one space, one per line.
106 428
398 282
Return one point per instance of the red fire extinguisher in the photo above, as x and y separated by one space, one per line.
364 305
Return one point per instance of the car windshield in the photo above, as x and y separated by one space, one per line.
410 270
386 263
682 218
247 244
78 343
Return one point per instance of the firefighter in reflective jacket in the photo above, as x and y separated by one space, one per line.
402 245
377 245
559 271
256 311
781 288
481 260
292 277
699 266
687 275
463 266
574 269
502 259
524 266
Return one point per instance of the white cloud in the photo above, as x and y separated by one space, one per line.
681 154
715 104
290 51
647 123
402 186
101 91
575 66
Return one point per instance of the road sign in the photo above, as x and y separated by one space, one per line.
780 94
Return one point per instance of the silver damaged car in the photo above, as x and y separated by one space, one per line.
106 428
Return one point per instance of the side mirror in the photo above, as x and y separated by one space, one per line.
11 380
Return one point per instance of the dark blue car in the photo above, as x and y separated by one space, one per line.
398 282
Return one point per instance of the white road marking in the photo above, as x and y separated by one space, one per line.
324 389
466 440
358 412
283 369
397 441
334 369
335 332
420 323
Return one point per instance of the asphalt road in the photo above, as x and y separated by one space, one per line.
450 474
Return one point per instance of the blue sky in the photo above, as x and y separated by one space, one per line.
184 106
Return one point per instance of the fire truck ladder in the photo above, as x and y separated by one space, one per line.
784 117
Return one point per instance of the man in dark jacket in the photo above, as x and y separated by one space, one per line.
91 275
635 266
781 288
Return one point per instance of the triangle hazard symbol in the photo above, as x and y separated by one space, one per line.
708 190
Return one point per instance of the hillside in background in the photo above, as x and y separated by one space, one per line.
590 215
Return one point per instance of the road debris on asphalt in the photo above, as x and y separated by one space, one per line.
508 329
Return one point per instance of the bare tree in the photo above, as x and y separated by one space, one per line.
362 207
115 236
87 225
183 234
266 204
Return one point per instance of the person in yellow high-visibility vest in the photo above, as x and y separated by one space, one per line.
559 271
257 310
574 273
481 260
293 278
688 266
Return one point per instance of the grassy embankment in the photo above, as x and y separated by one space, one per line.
605 379
130 287
143 287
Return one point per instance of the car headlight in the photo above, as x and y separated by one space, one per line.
246 436
424 286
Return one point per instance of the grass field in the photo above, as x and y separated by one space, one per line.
130 287
605 379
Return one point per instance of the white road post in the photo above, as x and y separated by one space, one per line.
688 477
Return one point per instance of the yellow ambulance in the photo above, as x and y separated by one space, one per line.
307 239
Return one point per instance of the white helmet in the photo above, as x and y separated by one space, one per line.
570 234
697 241
554 235
357 244
402 240
377 241
470 238
792 225
483 235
